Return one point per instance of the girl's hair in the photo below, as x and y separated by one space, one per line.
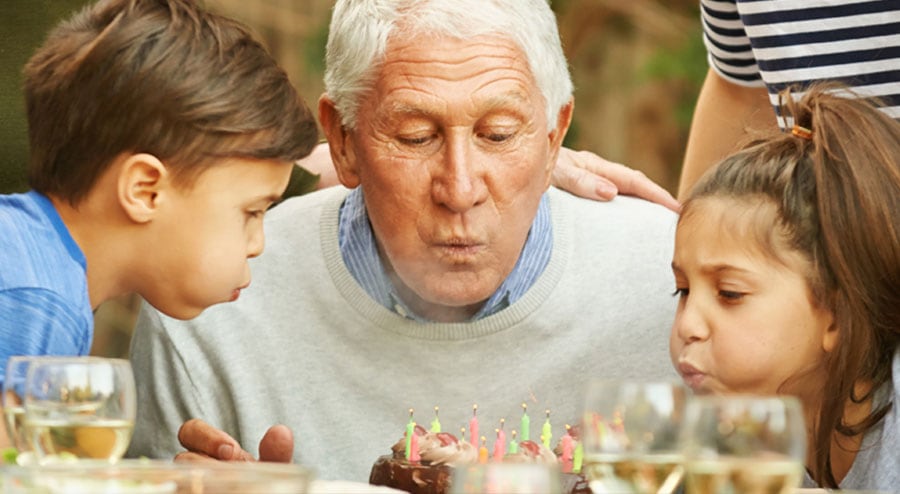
360 31
835 181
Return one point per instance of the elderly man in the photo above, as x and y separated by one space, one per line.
447 273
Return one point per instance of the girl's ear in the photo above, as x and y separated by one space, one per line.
831 336
142 178
343 154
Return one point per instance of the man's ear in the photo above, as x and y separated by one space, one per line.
556 136
342 153
141 180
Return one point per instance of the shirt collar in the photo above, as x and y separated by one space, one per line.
360 254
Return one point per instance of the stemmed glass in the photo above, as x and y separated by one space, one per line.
743 444
630 431
79 406
14 402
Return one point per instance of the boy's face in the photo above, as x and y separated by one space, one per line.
745 322
207 231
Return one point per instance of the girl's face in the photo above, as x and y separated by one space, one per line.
746 322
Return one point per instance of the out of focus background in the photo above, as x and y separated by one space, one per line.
637 67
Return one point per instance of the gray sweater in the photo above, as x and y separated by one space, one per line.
307 347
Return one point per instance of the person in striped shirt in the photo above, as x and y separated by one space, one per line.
759 47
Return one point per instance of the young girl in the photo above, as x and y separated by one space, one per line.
787 264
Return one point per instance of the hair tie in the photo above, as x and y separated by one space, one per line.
802 132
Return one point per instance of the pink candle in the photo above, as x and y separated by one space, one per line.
414 456
567 451
473 427
500 446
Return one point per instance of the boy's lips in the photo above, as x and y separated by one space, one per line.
237 292
692 376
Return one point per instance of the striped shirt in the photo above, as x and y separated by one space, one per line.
360 254
781 43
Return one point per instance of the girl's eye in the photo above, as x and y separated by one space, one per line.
258 213
681 292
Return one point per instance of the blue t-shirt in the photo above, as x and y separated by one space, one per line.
44 304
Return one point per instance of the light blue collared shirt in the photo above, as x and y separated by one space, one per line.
360 254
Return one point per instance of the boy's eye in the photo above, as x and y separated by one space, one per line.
680 292
731 296
256 213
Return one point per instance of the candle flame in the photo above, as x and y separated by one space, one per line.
524 407
514 434
475 409
548 413
502 421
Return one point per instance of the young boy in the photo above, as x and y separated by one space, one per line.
159 133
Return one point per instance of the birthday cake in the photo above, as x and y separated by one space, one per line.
423 462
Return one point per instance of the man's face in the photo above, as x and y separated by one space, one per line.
452 151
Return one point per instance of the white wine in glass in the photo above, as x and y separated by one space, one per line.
80 407
746 444
14 400
631 432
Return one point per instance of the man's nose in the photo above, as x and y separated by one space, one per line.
459 185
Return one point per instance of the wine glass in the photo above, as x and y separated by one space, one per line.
81 407
631 433
507 478
14 401
748 444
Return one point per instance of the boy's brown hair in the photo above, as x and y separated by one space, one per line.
163 77
835 181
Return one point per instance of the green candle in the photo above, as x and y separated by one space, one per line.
577 458
410 430
526 423
435 424
546 432
513 445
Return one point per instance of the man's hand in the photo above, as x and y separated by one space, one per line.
587 175
206 443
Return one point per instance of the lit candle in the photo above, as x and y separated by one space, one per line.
578 458
526 423
500 443
567 451
482 451
435 424
546 432
410 431
513 445
414 449
473 426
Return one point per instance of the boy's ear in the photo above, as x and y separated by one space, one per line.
342 153
141 179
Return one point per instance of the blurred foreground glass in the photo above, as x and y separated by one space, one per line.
506 478
631 431
81 407
14 401
158 477
743 444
